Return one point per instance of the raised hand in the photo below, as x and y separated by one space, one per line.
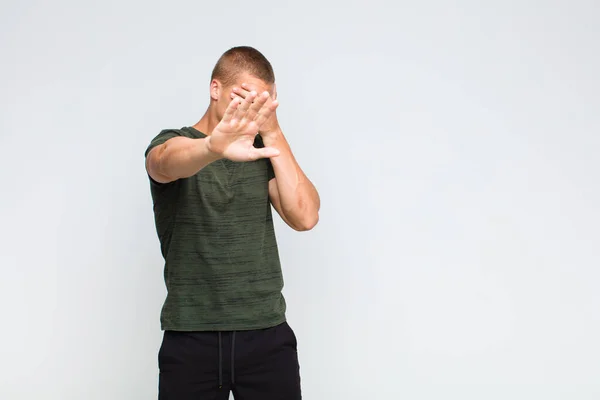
233 138
271 125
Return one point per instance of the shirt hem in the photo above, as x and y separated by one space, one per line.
222 327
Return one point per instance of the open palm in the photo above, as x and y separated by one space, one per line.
233 137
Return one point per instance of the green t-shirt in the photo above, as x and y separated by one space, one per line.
222 268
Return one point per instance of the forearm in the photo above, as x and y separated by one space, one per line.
299 199
181 157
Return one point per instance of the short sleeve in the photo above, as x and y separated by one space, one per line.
270 170
162 137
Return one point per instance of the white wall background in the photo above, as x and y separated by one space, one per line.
455 146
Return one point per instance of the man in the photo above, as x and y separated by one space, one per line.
213 185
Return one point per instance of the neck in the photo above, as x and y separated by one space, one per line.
208 122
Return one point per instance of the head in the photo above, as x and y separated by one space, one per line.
239 65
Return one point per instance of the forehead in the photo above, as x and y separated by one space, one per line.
254 83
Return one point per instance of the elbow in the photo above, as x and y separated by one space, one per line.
155 167
307 223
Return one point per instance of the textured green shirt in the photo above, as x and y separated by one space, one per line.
222 269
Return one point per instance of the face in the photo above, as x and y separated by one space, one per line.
221 95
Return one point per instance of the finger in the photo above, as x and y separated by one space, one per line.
241 92
266 112
265 152
256 107
231 109
246 88
245 106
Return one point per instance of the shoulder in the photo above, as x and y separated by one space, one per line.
167 134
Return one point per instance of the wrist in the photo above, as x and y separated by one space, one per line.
208 150
271 138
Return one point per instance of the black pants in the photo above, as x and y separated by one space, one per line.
255 365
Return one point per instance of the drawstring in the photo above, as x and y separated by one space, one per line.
232 357
220 363
221 359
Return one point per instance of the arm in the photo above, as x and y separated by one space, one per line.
177 158
233 138
292 194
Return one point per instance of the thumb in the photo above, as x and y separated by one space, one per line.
265 152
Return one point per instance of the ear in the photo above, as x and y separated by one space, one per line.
274 91
215 90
